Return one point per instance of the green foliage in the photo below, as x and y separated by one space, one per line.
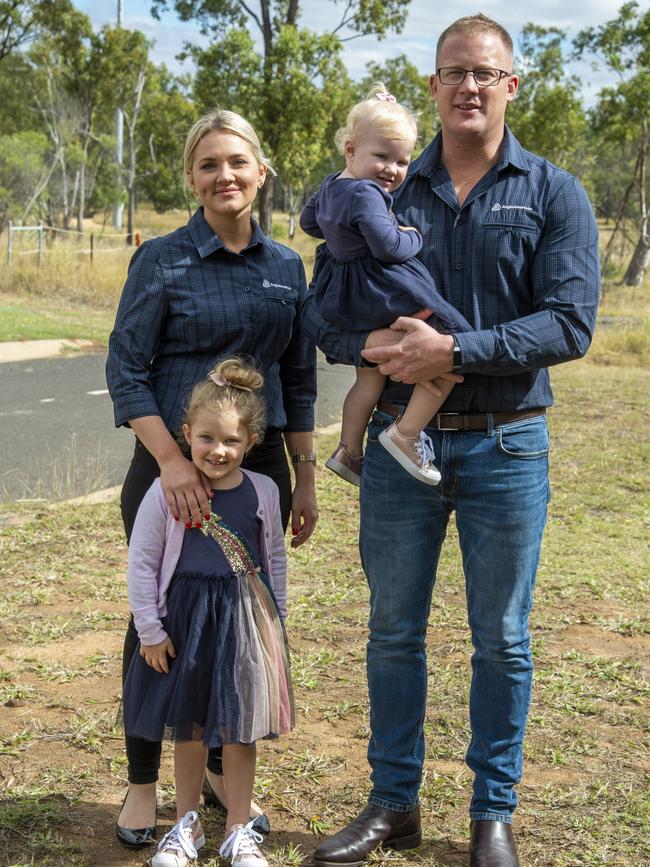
22 167
547 114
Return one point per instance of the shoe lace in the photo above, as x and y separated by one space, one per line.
180 837
424 449
244 840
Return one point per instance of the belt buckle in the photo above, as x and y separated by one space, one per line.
446 413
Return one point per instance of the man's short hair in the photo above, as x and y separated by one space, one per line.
471 24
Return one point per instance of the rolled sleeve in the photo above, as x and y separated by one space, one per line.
298 369
565 289
135 337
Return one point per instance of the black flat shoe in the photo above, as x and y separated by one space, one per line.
261 823
135 838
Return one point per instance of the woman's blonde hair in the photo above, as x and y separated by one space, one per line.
231 386
229 121
379 112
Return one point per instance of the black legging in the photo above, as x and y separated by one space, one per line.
268 458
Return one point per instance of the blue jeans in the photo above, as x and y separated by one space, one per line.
497 482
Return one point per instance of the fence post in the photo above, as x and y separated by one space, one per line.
92 247
40 244
9 227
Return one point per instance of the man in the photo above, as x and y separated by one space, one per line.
511 241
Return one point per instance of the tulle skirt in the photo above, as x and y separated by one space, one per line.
230 680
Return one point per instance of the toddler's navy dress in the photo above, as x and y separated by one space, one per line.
230 680
368 274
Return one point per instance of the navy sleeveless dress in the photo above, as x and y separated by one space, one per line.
368 273
230 680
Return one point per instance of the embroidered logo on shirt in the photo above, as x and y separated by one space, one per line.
498 207
267 285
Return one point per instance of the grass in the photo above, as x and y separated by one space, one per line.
584 795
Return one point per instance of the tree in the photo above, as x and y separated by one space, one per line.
623 44
22 21
547 115
125 69
223 19
167 115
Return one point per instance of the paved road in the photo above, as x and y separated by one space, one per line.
56 426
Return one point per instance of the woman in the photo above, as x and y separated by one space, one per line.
215 287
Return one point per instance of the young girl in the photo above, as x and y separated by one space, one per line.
371 275
208 605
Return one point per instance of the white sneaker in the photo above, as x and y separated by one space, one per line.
179 846
241 846
415 454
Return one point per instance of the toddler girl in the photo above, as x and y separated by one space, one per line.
370 275
208 605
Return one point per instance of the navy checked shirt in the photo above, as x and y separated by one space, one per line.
189 301
519 260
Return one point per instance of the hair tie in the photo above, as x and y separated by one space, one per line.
385 97
225 383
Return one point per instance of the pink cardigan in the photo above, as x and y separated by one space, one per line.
156 544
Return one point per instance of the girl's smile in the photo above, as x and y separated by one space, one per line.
219 443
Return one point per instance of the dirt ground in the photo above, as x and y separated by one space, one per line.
584 795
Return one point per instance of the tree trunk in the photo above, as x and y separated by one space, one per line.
641 256
638 264
265 204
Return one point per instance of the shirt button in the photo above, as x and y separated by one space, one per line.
458 266
247 288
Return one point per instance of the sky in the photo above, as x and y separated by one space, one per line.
417 39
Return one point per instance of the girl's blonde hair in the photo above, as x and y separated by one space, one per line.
380 113
231 386
229 121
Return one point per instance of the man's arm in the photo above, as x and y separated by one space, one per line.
565 285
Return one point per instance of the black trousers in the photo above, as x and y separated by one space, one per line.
268 458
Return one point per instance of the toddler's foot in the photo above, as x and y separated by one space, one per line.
178 847
345 465
415 454
241 846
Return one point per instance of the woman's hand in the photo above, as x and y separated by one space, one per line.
304 512
155 655
186 490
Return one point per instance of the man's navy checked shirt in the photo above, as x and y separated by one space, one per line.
519 260
189 301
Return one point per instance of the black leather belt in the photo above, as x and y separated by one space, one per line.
466 421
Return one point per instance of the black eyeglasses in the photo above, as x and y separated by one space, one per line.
482 77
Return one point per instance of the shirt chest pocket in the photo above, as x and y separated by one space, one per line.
508 238
277 307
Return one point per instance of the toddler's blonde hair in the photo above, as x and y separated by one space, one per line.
376 114
246 400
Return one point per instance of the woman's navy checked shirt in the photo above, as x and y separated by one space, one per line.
189 301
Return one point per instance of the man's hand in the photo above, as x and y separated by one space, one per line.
422 354
156 655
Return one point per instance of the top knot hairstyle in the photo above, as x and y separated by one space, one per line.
231 386
378 113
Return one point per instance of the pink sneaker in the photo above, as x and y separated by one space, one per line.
345 465
180 846
415 454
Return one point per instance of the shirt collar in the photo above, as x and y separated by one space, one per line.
429 162
207 242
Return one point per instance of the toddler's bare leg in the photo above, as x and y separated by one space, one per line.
421 407
358 406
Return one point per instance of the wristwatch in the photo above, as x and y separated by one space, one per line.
304 458
456 357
